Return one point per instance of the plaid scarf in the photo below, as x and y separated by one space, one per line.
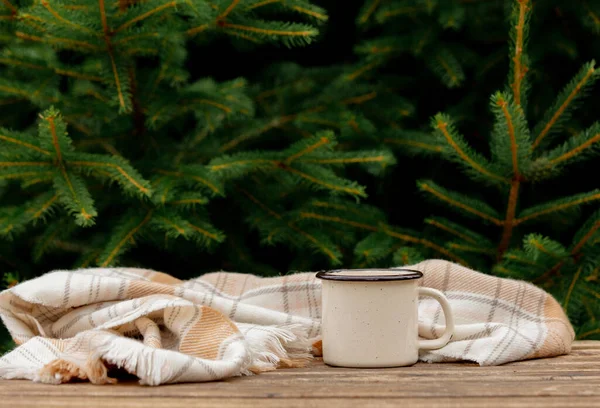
81 324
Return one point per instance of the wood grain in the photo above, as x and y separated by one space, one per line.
572 380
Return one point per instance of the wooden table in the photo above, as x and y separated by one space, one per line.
566 381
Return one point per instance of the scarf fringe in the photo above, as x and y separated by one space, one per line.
274 347
268 348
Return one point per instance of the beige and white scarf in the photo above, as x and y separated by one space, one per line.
81 324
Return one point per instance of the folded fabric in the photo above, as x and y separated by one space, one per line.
84 323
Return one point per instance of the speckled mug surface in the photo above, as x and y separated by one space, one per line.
370 317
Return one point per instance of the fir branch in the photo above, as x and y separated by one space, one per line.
456 230
129 226
235 168
408 256
565 102
60 18
318 15
289 34
509 220
164 190
54 135
196 174
196 30
266 31
413 142
339 220
582 237
521 15
354 210
298 6
115 71
11 167
378 158
392 11
589 333
205 232
363 69
76 198
358 100
28 175
557 205
253 132
176 226
14 91
418 145
228 10
309 147
48 239
374 248
571 288
10 6
77 45
461 153
466 204
580 147
217 105
143 16
595 19
116 168
517 256
323 178
447 67
331 254
76 75
577 150
21 141
536 244
29 212
368 11
586 232
87 259
262 4
472 249
71 190
407 237
124 40
510 138
109 48
189 200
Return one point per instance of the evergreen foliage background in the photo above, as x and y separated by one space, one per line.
280 135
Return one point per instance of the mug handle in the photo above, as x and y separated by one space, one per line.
445 338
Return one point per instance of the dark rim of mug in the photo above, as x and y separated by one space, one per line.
337 275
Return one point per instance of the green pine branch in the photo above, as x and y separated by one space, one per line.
519 59
457 231
130 226
14 220
558 205
580 147
447 67
459 202
413 143
565 103
510 141
408 256
458 150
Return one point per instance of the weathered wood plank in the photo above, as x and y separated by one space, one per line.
556 382
476 402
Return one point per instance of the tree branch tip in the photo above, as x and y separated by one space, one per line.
441 125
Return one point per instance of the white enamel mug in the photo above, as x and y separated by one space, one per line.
370 317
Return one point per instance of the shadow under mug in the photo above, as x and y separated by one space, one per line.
370 317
